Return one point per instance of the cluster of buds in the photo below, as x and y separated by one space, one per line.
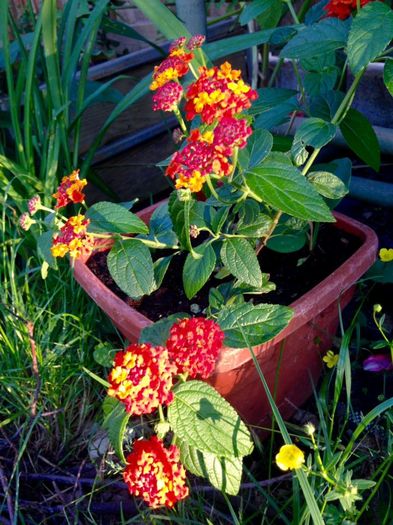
218 97
142 379
343 8
34 205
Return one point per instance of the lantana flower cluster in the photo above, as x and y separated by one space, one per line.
142 379
217 98
71 237
343 8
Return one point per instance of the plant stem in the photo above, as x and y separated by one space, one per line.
292 11
266 237
276 70
265 64
181 121
303 10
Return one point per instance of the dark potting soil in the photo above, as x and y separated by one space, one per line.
294 274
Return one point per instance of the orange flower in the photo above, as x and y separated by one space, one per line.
72 238
142 378
155 473
217 93
194 345
70 190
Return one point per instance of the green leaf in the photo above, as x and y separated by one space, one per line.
223 473
361 138
113 218
315 132
196 272
271 17
269 98
287 242
104 354
44 244
282 186
370 34
254 9
249 324
322 38
157 333
203 419
388 75
160 268
257 228
115 423
176 212
240 259
259 145
234 44
161 227
328 184
131 266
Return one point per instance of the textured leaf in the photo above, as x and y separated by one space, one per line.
258 227
157 333
115 423
258 147
282 186
371 32
315 132
160 268
328 184
161 227
361 138
240 259
196 272
131 266
223 473
321 38
249 324
197 216
203 419
114 218
388 75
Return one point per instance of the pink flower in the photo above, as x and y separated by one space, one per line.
167 97
378 363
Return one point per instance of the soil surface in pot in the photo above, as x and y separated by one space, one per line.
294 273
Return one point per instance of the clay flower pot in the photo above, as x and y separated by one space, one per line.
292 361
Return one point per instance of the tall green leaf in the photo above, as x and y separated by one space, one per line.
203 419
388 75
115 423
370 34
361 138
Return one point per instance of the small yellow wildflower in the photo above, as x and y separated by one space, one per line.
331 359
386 254
290 457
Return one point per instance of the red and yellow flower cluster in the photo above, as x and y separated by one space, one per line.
70 190
143 375
343 8
142 378
72 238
194 345
218 97
155 473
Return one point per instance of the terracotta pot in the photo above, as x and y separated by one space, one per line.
292 361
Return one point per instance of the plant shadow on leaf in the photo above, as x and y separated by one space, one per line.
208 411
